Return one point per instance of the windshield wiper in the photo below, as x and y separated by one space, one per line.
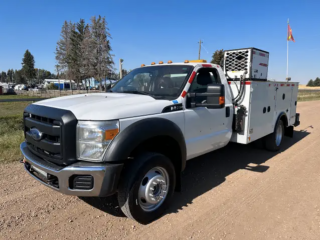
136 92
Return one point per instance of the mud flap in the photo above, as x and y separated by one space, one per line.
289 131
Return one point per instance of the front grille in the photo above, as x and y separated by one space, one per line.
41 119
44 153
57 143
237 61
49 147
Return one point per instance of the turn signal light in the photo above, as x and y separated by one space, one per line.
110 134
198 61
221 100
153 63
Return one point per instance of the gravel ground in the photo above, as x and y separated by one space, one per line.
238 192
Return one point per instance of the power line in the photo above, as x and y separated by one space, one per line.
205 48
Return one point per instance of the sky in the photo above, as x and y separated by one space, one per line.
152 31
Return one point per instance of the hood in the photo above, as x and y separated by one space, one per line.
107 106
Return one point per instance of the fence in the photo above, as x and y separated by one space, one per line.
44 93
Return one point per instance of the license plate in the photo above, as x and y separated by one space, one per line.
41 172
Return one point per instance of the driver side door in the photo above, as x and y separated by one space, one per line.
205 129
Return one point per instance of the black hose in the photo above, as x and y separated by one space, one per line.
242 87
232 80
241 92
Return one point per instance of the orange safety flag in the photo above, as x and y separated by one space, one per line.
290 37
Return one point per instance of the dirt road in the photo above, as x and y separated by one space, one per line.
238 192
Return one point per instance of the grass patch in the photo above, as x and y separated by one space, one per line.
18 96
308 95
11 136
12 108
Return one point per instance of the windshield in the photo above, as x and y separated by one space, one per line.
160 82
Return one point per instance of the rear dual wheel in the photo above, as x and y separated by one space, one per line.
274 141
147 186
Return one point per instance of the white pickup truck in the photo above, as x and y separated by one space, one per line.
134 140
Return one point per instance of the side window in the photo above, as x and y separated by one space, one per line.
204 77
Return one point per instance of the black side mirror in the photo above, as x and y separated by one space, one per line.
213 98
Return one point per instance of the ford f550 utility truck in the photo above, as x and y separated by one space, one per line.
134 140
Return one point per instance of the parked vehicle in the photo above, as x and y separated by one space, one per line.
20 87
10 91
134 141
60 83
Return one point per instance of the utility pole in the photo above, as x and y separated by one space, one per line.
199 49
120 67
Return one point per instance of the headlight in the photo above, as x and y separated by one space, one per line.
93 138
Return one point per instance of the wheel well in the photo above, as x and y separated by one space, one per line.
167 146
284 120
161 144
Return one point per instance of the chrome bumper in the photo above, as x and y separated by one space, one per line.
105 176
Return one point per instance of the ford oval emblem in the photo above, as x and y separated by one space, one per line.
36 134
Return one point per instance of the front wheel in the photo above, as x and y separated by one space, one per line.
274 140
146 187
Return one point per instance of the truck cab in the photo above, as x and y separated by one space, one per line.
134 140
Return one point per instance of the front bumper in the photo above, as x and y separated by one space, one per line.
105 176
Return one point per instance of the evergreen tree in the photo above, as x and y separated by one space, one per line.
3 77
217 57
63 50
316 82
9 76
87 48
63 46
76 54
310 83
12 75
18 77
28 66
15 76
102 58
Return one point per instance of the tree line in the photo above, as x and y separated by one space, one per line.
27 74
217 57
314 83
83 50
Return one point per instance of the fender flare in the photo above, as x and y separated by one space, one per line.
128 139
279 117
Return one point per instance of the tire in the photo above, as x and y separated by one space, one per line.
274 140
147 171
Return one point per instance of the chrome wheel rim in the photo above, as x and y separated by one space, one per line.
153 189
279 135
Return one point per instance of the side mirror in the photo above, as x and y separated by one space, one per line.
212 99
